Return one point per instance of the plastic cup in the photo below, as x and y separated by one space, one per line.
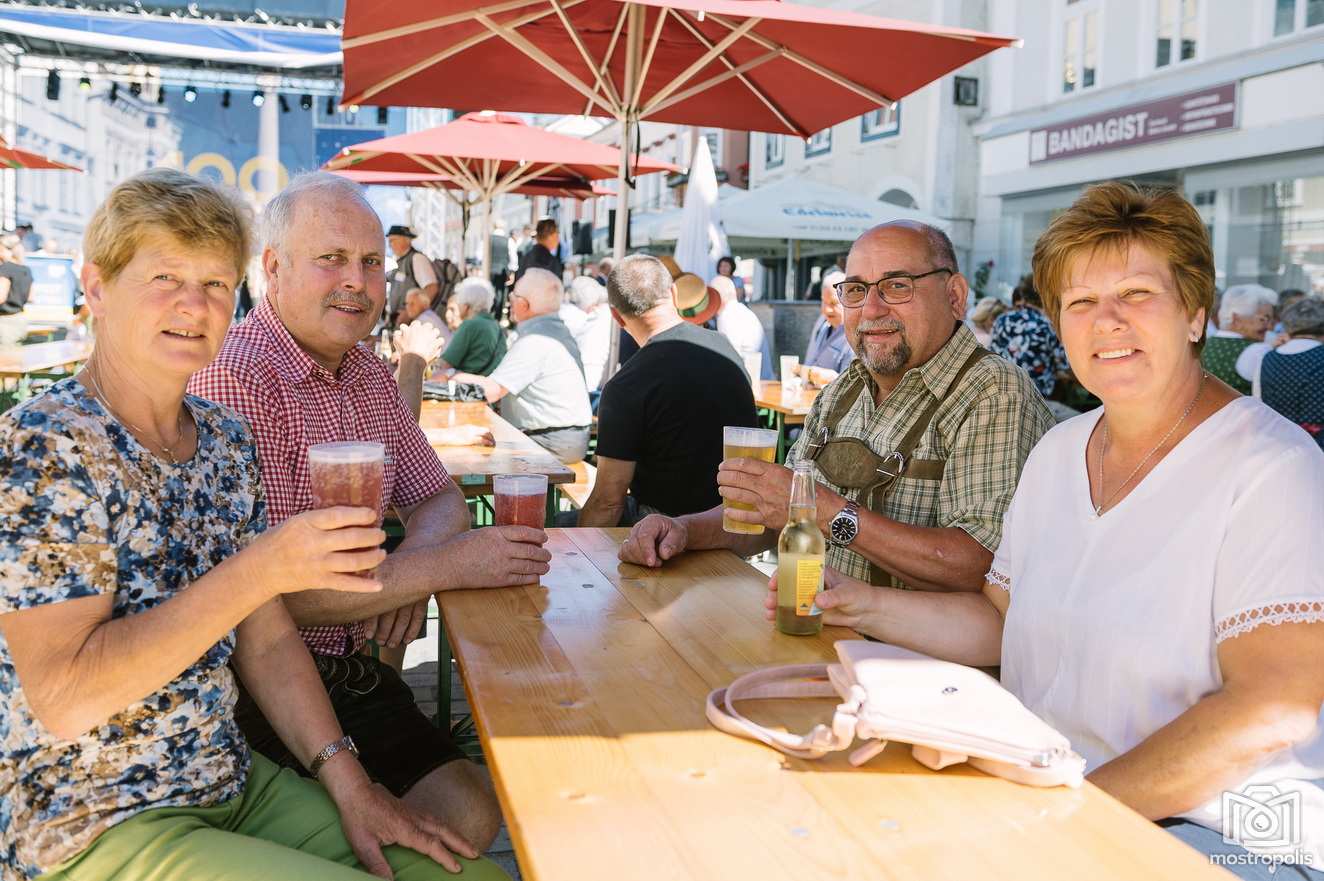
739 442
754 367
349 473
520 499
790 380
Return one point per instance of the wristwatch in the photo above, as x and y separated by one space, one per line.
846 525
341 745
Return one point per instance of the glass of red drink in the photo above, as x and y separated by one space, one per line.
521 499
349 473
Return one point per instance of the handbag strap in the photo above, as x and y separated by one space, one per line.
792 681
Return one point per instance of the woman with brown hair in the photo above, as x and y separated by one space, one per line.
1158 595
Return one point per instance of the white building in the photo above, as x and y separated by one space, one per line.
1223 99
109 140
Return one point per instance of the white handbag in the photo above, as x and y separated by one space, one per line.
949 713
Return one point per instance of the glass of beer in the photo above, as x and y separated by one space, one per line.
350 473
746 443
520 500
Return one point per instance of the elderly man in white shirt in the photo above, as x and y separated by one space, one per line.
593 334
540 381
736 321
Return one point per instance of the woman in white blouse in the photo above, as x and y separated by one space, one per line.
1158 595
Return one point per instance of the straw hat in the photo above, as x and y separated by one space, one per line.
696 301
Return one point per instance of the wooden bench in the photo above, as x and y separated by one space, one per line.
577 493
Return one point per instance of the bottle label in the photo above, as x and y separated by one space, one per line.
808 577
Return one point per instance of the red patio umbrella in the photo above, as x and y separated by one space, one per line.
12 157
757 65
490 154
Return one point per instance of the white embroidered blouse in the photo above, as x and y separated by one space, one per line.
1114 621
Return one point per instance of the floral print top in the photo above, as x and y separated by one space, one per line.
85 510
1026 338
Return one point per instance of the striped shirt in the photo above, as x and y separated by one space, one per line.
984 431
293 402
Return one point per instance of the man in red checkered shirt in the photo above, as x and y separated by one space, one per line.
296 370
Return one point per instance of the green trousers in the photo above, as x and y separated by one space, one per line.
283 827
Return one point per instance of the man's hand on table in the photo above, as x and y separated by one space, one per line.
372 818
845 602
399 626
460 436
497 556
654 540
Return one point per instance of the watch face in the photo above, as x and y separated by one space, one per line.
843 529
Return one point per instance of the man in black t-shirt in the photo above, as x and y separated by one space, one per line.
661 416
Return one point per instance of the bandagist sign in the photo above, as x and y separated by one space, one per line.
1207 110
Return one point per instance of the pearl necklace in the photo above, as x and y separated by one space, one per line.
138 432
1098 509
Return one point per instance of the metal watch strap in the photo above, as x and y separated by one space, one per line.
852 509
345 743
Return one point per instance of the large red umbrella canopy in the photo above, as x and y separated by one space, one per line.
538 187
489 151
757 65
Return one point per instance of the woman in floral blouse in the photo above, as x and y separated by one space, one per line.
134 571
1025 337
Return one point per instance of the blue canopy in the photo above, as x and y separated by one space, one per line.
221 42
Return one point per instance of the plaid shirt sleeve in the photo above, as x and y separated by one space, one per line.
985 461
218 383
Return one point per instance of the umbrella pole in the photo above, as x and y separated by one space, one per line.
627 118
487 237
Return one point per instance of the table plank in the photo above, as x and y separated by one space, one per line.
18 361
588 693
794 406
472 468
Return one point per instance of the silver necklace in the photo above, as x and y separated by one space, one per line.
105 401
1098 509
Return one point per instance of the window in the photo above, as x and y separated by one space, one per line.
1080 47
1290 16
885 122
714 138
774 150
819 143
1176 34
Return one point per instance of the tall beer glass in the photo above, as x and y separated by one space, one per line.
746 443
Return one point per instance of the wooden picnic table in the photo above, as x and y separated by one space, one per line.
19 361
588 692
472 468
787 408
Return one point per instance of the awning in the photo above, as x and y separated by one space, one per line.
791 208
159 37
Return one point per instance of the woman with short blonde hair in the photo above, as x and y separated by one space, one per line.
1158 595
136 571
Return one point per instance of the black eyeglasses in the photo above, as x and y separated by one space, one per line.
893 289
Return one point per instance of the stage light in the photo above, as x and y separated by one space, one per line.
53 85
382 115
190 94
258 98
114 92
85 83
135 89
330 105
284 105
160 94
225 98
305 102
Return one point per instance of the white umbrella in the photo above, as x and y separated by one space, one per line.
701 241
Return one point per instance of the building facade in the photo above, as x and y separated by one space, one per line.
1222 100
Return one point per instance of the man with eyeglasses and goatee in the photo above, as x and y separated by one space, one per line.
917 446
